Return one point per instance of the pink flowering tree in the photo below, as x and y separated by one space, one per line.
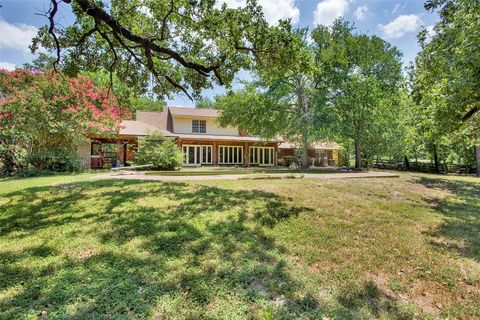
45 116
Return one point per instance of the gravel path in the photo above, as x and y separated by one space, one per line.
346 175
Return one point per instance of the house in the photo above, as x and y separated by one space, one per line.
200 137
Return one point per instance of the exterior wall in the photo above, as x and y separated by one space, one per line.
184 125
83 153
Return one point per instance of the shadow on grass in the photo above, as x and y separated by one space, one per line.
149 250
368 299
461 228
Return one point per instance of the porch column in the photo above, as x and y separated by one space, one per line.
118 154
246 156
214 154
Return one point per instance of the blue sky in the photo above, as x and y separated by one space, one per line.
397 21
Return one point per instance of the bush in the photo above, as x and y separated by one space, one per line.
57 159
155 150
287 161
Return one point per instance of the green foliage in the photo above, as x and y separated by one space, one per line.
167 46
362 76
159 152
133 96
445 82
205 103
283 102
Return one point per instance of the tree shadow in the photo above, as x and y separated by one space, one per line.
151 250
460 231
368 299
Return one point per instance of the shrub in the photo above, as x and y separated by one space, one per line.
57 159
159 152
288 160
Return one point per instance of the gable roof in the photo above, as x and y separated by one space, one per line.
193 112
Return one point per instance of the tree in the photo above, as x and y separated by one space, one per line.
205 103
181 45
446 78
44 117
283 102
362 75
132 95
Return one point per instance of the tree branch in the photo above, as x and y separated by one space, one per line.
97 13
51 31
470 113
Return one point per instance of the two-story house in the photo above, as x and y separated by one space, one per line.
200 137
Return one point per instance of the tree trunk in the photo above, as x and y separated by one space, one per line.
305 159
477 158
357 155
407 163
435 159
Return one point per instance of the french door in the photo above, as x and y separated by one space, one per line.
197 154
263 156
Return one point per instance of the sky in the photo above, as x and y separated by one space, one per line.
397 21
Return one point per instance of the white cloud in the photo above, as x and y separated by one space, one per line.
273 10
401 25
16 36
7 66
361 12
329 10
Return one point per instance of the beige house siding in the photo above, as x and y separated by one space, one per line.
184 125
83 153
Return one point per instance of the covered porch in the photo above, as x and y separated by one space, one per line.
245 152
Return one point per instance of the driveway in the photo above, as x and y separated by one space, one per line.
347 175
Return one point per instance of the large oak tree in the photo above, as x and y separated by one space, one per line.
168 46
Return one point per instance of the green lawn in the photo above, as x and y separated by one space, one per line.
73 247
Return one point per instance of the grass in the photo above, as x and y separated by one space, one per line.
74 247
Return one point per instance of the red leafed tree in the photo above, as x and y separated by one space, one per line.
45 116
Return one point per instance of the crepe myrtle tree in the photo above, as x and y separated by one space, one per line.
169 46
44 117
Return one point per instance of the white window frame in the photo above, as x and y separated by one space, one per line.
227 150
199 125
256 153
201 146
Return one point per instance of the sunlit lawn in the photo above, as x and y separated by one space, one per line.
74 247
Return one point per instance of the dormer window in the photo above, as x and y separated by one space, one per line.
199 126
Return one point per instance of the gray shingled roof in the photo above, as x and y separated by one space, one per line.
192 112
139 128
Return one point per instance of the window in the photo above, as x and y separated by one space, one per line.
197 154
263 156
199 126
230 155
